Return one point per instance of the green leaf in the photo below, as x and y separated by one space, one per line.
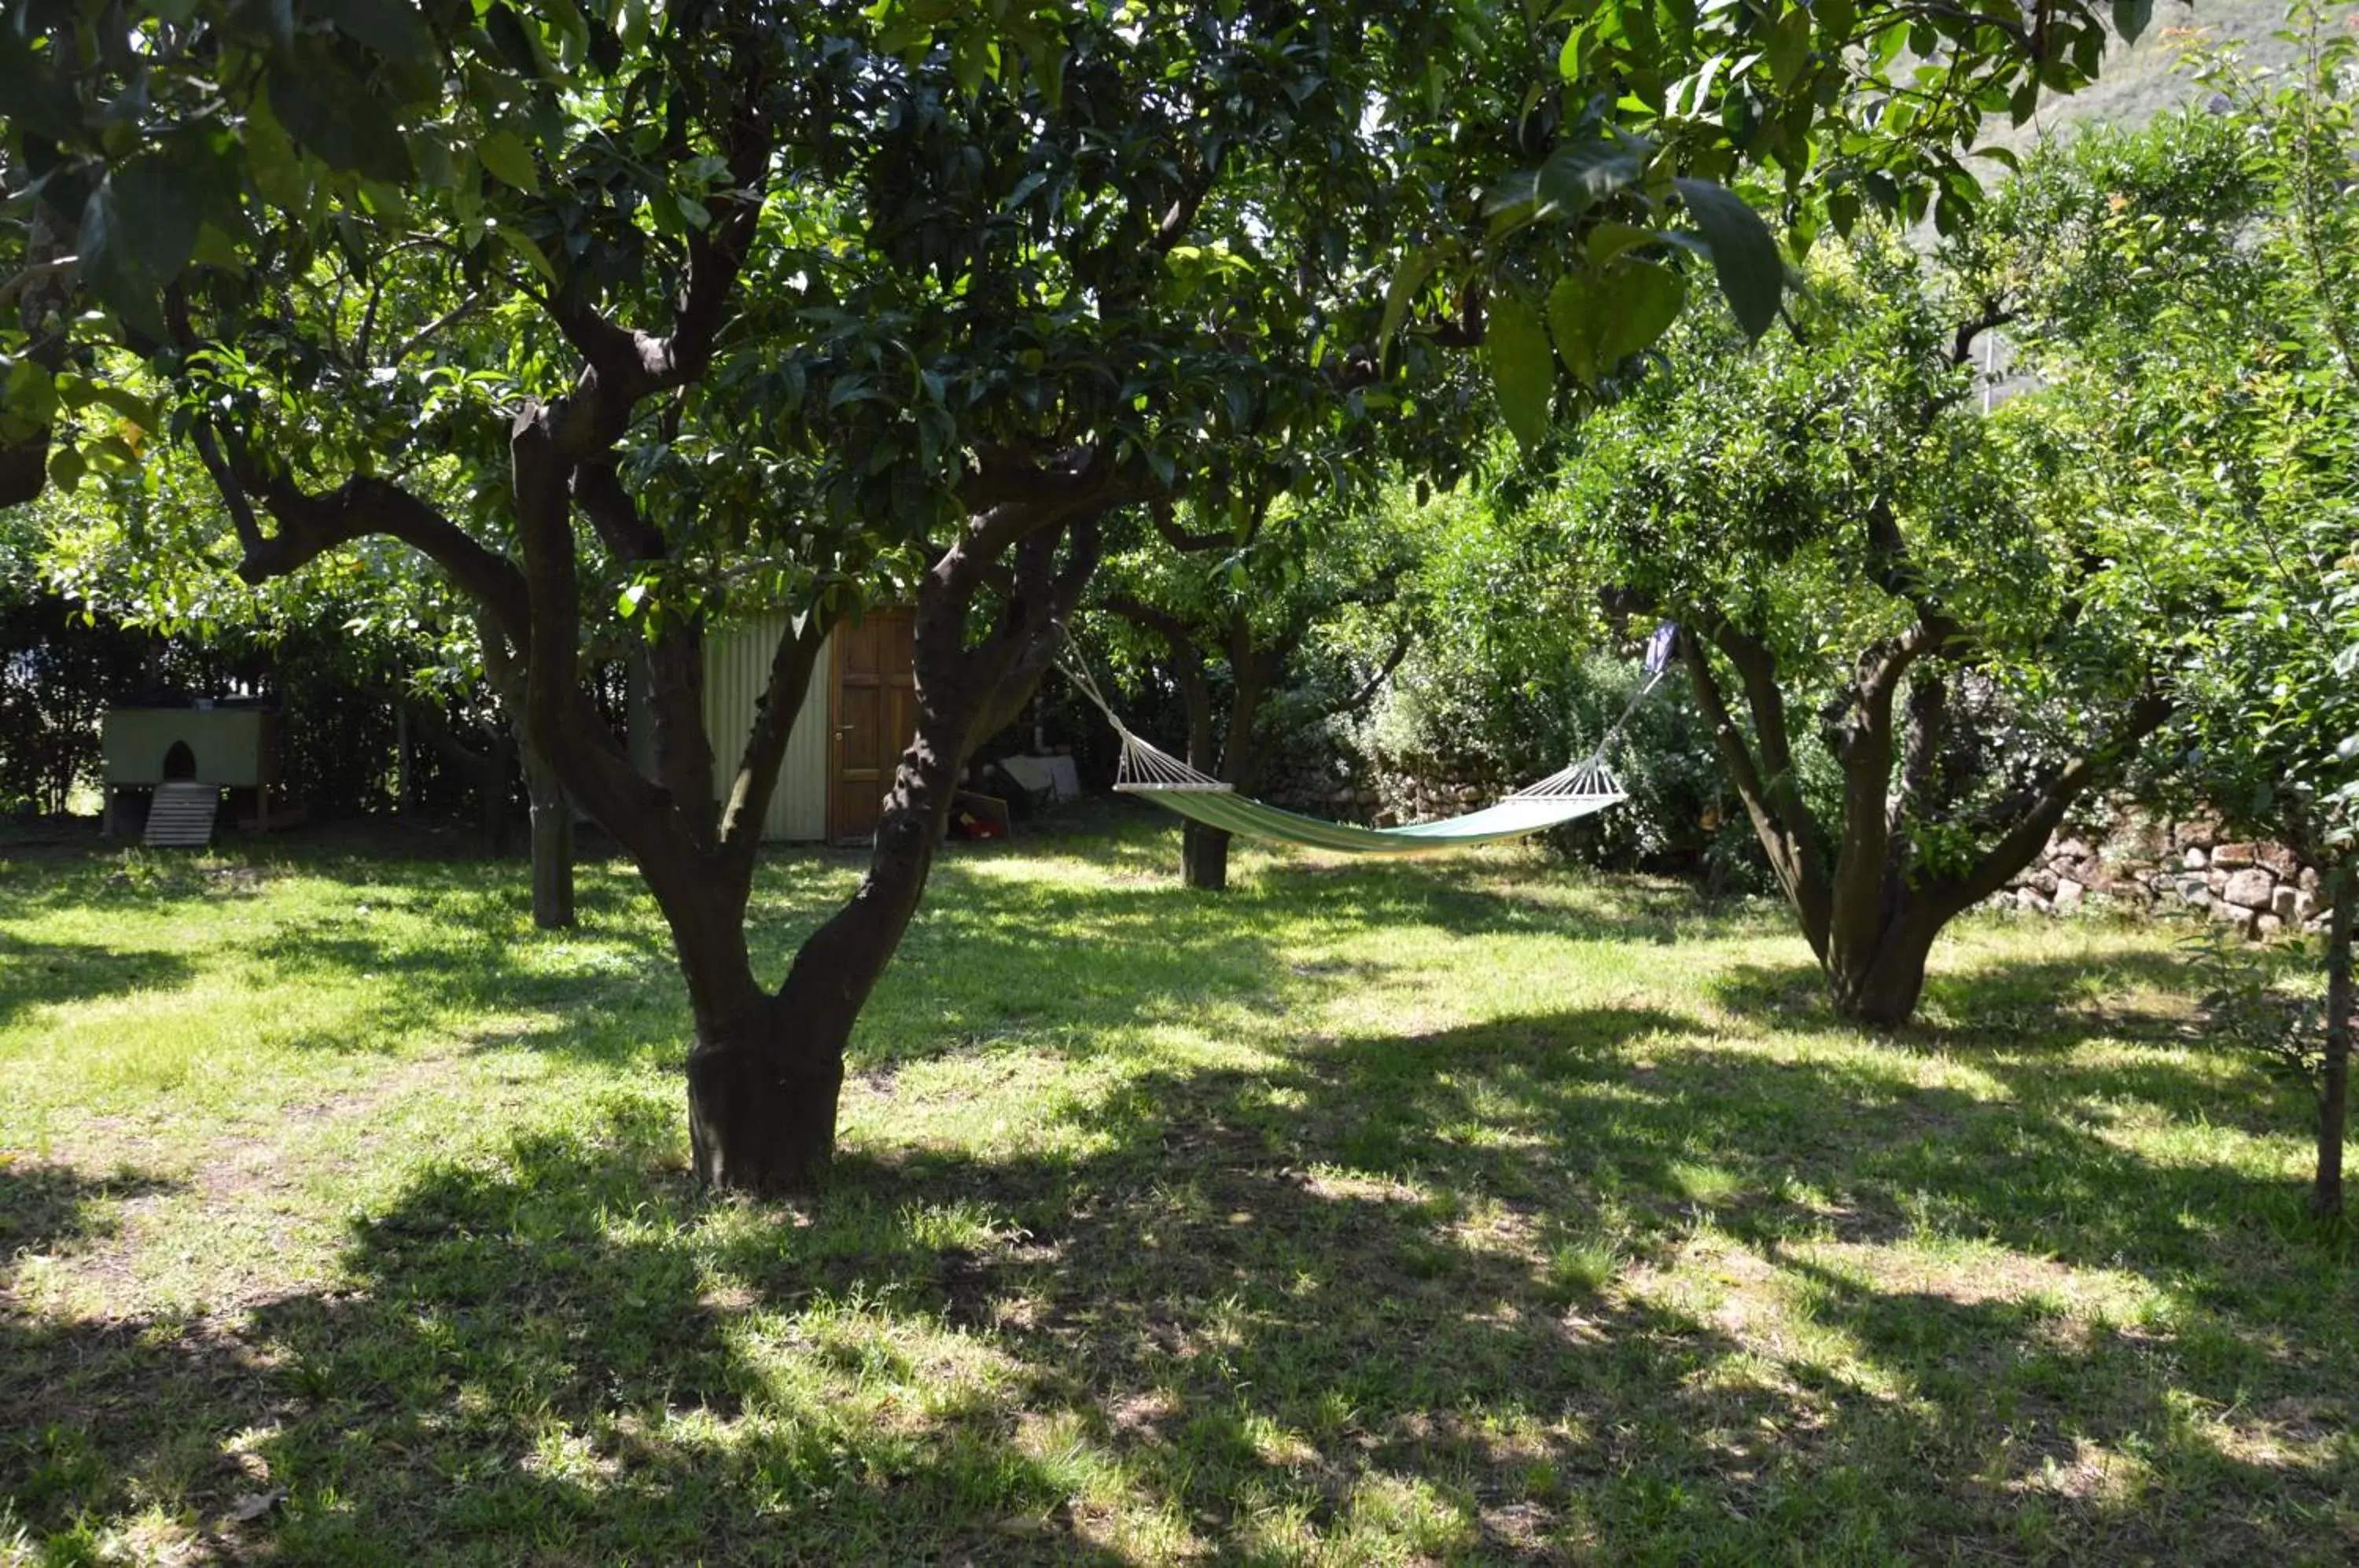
335 117
66 468
1573 322
504 154
34 95
392 28
1744 254
1409 277
1576 177
1568 59
1523 370
1608 240
513 44
1789 47
138 229
2131 17
524 246
1601 318
1642 298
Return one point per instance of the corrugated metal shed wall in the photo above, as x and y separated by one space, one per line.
736 667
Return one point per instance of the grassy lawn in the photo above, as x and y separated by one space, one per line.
1469 1210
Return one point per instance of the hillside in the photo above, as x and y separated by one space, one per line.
2144 78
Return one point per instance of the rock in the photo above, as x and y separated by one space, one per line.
2028 900
2073 849
2216 879
2307 880
2268 925
2251 889
2046 881
2194 890
2284 903
2279 859
2236 856
2067 895
2195 859
2229 915
2305 907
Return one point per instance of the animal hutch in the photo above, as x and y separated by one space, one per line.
177 761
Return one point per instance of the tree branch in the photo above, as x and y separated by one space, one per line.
757 780
2013 852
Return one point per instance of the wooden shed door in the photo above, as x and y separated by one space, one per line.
873 713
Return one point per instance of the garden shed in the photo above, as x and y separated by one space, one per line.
857 717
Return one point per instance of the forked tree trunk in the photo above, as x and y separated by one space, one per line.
2334 1088
765 1071
1870 917
1879 983
763 1082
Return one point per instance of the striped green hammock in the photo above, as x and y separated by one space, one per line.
1152 774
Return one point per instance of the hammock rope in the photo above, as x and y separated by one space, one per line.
1589 786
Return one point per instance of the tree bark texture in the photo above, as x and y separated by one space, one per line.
2334 1086
552 844
1204 857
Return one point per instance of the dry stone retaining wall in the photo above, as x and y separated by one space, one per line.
2262 888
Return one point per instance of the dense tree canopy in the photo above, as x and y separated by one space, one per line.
2193 301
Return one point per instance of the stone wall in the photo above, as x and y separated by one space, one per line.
1329 786
2145 866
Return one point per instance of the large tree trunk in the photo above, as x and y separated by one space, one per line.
1204 857
1878 983
765 1076
763 1082
552 844
2334 1089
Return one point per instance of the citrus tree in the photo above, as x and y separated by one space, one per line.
1904 645
2193 302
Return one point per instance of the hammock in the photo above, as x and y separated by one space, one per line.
1585 788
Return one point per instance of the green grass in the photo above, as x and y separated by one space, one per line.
1469 1210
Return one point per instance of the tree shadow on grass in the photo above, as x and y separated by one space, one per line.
56 974
2023 1020
1351 1306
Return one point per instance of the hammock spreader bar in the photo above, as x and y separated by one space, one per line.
1156 775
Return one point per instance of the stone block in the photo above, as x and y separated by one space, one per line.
2193 890
2280 860
2067 896
2073 849
2216 879
2307 880
2046 881
2266 926
2196 859
2251 889
2236 856
2286 902
2306 907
